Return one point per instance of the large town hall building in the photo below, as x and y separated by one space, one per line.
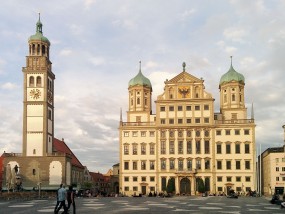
185 139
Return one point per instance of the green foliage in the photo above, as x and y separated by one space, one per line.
170 185
200 185
87 185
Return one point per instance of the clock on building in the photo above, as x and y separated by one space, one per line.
35 94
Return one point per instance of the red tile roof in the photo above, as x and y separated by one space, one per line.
60 146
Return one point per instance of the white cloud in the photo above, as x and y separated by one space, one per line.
9 86
65 52
235 34
97 60
89 3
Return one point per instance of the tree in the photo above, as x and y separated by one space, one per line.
200 185
170 185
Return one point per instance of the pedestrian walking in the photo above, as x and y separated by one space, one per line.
70 199
61 198
57 201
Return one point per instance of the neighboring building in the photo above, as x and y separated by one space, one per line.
100 184
273 170
185 139
45 161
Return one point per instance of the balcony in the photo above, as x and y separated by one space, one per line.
185 171
234 121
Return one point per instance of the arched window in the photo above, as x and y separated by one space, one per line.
38 50
33 49
39 81
43 50
233 97
32 81
138 101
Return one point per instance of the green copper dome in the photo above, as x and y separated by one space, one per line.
140 79
232 75
39 34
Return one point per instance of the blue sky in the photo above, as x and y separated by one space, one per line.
96 46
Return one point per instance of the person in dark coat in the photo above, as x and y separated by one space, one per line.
70 199
61 198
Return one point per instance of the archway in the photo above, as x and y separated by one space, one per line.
185 187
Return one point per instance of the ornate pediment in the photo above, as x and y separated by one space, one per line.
184 77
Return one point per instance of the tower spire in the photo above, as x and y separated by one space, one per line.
184 66
252 112
140 66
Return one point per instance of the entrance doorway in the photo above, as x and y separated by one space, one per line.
144 190
185 186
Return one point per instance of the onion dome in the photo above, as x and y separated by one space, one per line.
39 33
232 75
140 80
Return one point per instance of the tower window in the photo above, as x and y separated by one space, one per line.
38 49
138 101
32 81
34 171
233 97
49 114
43 49
39 81
34 151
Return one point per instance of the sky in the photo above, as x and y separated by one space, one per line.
96 46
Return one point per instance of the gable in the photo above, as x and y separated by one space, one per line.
185 77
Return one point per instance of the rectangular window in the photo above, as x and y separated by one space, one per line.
180 121
151 165
189 164
198 164
220 179
171 147
143 179
143 133
228 148
135 179
237 164
152 179
143 165
246 149
238 179
151 149
162 148
162 108
135 165
218 132
189 147
126 165
126 134
229 165
237 148
197 108
135 188
171 121
188 108
247 164
277 178
206 107
180 165
171 164
126 179
220 189
228 132
198 147
188 120
207 164
143 149
283 169
237 132
206 120
180 108
219 149
171 108
126 149
197 120
207 147
163 164
180 147
246 132
219 164
126 189
151 133
247 179
162 134
135 149
229 179
277 169
135 134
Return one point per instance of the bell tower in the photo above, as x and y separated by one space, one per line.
38 101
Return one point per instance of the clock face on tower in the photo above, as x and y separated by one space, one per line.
35 94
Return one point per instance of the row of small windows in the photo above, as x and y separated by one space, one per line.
37 49
236 132
280 178
136 179
143 165
283 168
237 165
232 179
197 120
187 108
182 133
230 146
142 134
143 149
185 147
277 160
